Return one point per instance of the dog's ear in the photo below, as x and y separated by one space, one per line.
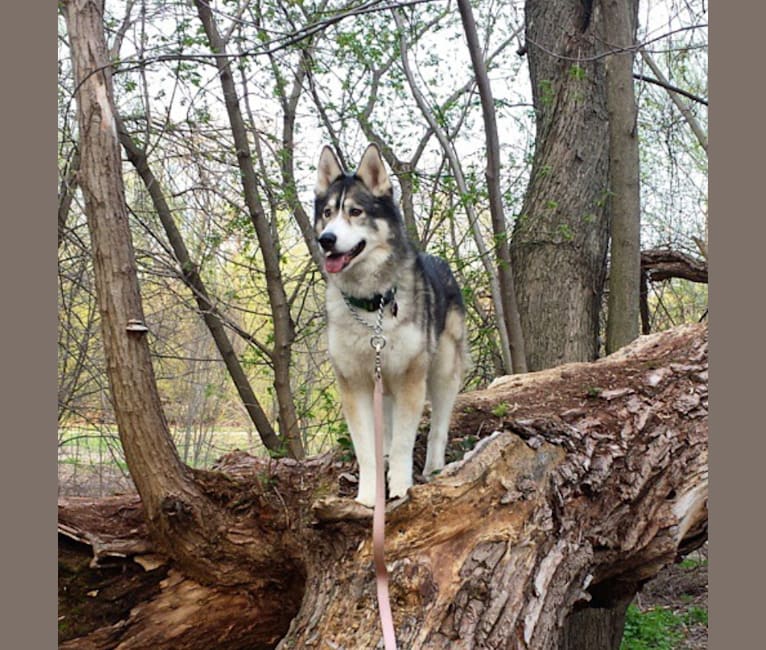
373 172
328 170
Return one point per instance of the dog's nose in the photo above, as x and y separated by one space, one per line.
327 240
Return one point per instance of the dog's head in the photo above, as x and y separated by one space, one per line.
353 212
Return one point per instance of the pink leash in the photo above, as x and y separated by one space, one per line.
379 520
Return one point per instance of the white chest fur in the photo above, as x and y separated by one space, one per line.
349 340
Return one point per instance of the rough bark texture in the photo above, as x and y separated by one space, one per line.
587 480
560 237
622 324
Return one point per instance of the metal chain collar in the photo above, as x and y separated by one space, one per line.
377 340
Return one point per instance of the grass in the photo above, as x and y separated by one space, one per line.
660 628
695 615
90 446
655 629
692 562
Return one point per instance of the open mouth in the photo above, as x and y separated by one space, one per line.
336 262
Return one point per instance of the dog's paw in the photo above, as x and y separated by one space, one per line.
393 504
330 509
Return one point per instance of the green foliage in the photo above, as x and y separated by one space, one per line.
655 629
565 231
676 301
501 410
693 563
660 628
547 92
696 615
577 73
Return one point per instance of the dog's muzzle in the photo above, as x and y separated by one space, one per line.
334 261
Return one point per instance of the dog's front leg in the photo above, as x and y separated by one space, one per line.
408 399
356 400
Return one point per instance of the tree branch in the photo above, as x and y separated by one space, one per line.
663 264
457 172
191 277
688 115
671 87
512 320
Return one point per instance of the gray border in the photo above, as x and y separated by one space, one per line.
736 283
28 263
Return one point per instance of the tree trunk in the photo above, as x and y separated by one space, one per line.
560 238
620 24
183 521
193 280
143 430
587 480
284 332
502 254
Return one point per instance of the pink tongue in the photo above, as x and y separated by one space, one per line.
336 264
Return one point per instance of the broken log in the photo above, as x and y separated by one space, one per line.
569 489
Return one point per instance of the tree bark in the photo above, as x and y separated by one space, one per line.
622 323
143 430
663 264
587 480
560 238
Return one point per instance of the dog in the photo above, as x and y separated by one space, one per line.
373 271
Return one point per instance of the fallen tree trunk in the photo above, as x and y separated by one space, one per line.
582 483
658 264
662 264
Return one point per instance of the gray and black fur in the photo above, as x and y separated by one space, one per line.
369 259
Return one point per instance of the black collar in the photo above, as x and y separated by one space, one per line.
374 303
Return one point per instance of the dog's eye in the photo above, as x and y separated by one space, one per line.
355 212
326 212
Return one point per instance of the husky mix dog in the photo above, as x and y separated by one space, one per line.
374 272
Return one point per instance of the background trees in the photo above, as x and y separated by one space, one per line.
306 73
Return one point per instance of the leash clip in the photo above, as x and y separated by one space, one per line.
378 342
